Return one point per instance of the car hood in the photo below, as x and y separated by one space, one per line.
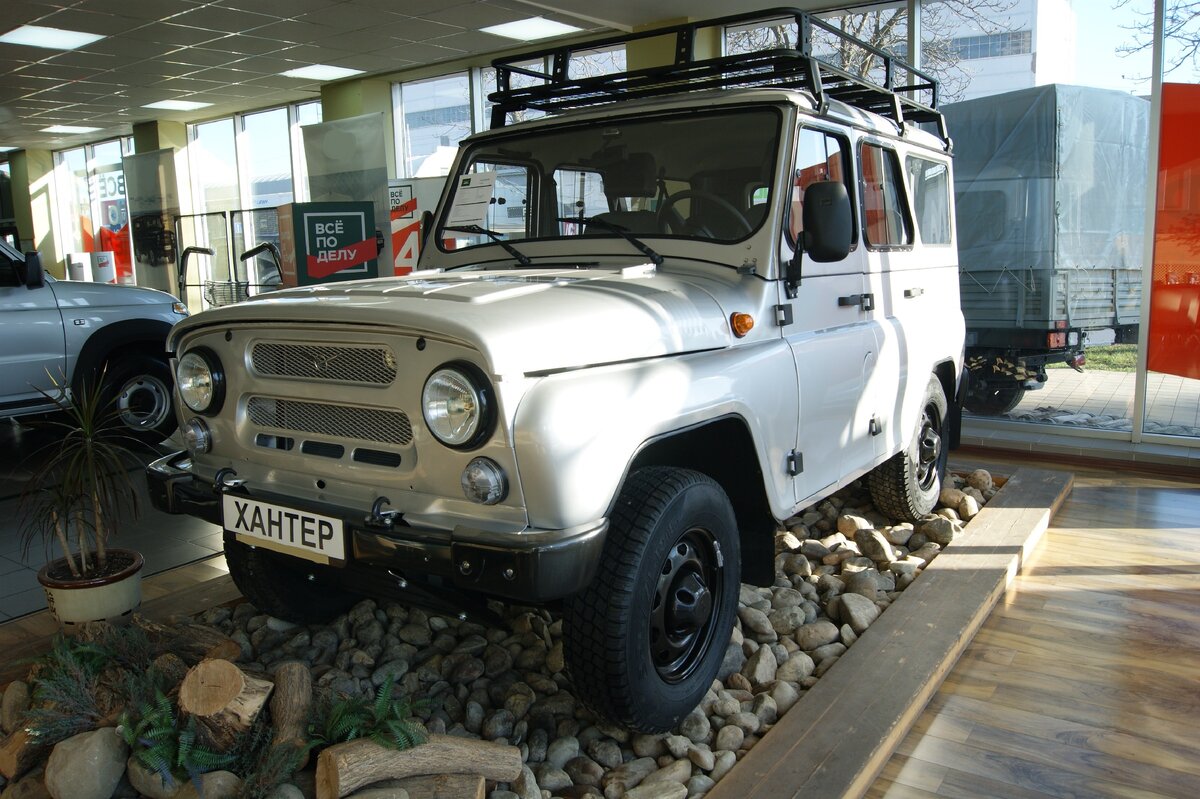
81 294
521 321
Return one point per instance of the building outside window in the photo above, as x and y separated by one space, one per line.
432 117
92 215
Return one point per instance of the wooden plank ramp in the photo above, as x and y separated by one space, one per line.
838 738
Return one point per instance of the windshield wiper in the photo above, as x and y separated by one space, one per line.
620 230
521 257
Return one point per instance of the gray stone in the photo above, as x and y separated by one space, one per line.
864 583
415 634
939 530
785 620
473 717
559 752
927 551
724 762
968 508
496 660
785 695
13 705
765 708
701 756
286 791
848 635
950 497
819 633
796 667
729 739
87 766
735 658
368 633
395 670
760 667
658 790
695 726
909 565
980 480
645 745
629 775
677 745
848 524
858 612
699 785
898 534
828 651
786 598
831 585
213 785
31 786
501 794
678 771
526 786
149 783
606 752
874 546
757 622
584 771
793 564
749 722
551 777
554 658
498 725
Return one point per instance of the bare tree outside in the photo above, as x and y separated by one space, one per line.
886 27
1181 33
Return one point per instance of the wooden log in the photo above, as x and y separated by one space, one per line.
290 706
223 700
171 667
18 754
444 786
343 768
191 642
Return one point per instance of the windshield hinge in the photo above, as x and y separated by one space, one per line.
748 267
795 462
783 315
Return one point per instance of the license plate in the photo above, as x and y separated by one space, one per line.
293 532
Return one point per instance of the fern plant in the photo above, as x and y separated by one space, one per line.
167 746
385 720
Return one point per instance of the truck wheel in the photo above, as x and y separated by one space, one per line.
138 390
994 399
907 485
279 585
644 641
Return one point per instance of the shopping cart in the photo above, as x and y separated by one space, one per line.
217 293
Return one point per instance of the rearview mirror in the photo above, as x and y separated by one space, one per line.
30 273
828 223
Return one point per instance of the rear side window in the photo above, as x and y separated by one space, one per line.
929 182
819 156
885 218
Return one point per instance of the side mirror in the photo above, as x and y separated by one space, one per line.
30 273
828 222
426 227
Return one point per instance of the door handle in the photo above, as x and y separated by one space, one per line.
867 301
910 293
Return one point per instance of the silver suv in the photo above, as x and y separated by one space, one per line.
71 333
644 332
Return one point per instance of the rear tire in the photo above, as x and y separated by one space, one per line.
993 399
279 585
907 486
644 641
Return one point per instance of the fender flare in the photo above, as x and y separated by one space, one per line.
106 340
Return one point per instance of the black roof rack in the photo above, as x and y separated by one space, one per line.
800 67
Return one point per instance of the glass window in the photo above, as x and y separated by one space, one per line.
213 157
433 116
74 204
819 156
516 80
266 159
302 114
107 190
929 182
885 220
601 61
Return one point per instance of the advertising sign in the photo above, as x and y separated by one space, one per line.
408 199
327 242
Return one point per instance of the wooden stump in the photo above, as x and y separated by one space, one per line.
18 754
223 700
191 642
343 768
290 705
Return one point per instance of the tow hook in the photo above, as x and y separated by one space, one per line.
380 518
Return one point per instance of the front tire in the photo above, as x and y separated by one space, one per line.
644 641
279 585
907 485
138 391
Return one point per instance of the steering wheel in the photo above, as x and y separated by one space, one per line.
669 218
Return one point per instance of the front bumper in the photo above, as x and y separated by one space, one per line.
529 566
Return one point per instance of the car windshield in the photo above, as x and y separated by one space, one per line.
701 175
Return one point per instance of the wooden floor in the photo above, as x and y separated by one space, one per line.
1085 681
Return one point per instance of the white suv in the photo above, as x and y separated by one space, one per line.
644 332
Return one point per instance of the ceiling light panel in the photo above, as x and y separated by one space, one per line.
49 38
69 129
177 105
321 72
532 29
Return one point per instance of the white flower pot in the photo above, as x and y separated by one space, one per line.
112 598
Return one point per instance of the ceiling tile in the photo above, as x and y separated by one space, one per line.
263 64
18 13
227 20
284 8
204 56
419 53
348 17
123 46
223 74
313 54
416 30
242 45
74 19
168 33
373 62
474 15
78 58
289 31
467 42
57 71
142 9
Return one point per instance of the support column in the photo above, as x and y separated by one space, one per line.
357 97
33 206
914 32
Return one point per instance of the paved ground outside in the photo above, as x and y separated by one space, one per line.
1105 400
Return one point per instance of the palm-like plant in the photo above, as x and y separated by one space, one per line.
81 489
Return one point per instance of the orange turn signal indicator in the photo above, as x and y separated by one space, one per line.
740 323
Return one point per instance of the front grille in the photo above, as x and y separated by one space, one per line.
335 421
366 365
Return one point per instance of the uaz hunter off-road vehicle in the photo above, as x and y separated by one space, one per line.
644 331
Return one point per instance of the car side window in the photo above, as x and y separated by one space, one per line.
819 156
929 182
885 215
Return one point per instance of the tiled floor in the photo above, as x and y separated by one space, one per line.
164 541
1170 400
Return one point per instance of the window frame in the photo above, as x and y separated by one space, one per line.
903 202
912 194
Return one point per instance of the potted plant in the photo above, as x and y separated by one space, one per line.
79 494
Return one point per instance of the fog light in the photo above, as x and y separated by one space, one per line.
196 437
483 482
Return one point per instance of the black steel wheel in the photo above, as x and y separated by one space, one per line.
644 641
907 485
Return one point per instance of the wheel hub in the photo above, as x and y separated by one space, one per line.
682 611
144 403
929 451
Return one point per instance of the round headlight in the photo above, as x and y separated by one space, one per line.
456 406
200 381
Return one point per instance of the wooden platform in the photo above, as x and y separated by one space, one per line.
842 733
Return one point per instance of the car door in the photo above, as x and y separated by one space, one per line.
32 344
829 335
